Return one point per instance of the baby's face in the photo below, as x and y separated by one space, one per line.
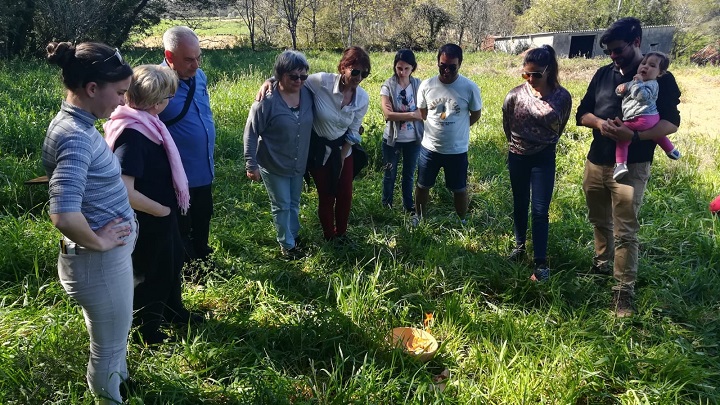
649 68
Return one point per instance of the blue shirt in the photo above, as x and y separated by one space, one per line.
194 135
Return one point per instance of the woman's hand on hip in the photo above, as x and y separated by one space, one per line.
113 234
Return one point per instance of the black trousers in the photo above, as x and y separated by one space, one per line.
195 226
158 259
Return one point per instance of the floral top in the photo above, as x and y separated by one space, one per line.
532 123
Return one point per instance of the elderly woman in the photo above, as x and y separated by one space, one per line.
90 207
534 117
155 179
276 142
340 106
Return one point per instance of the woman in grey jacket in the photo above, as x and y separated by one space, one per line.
403 128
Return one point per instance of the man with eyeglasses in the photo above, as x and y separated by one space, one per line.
613 205
449 103
189 120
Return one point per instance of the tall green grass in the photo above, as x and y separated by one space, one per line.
315 330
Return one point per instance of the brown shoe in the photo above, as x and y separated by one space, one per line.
623 304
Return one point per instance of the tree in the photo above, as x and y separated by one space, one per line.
248 14
312 18
350 11
290 13
435 17
16 25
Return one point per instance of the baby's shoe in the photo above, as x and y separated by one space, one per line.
674 154
620 170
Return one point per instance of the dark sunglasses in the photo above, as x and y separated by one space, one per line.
169 97
116 55
403 99
364 73
535 75
616 51
296 77
449 68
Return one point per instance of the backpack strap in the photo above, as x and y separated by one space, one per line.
186 106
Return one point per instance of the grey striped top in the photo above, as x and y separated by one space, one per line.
84 173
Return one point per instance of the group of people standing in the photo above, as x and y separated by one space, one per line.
135 206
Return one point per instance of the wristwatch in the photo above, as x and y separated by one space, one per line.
636 136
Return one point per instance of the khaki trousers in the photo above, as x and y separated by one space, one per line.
613 208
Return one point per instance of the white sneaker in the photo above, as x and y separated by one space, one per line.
415 221
620 170
674 154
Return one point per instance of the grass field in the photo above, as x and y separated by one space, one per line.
314 331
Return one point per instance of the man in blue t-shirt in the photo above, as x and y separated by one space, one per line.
190 122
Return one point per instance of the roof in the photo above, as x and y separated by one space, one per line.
572 32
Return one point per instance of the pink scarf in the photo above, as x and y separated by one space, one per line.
154 130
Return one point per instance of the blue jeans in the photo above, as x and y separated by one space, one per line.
391 157
284 193
537 173
102 283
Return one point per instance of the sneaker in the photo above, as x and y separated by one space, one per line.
620 171
387 206
623 304
596 270
540 273
415 221
463 221
674 154
293 253
517 254
410 211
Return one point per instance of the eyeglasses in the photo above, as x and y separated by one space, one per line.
363 73
169 97
403 99
116 55
535 75
450 68
296 77
616 51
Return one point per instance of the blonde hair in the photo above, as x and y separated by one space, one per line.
151 84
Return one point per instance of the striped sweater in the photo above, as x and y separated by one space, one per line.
84 173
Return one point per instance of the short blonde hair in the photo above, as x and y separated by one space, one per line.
151 84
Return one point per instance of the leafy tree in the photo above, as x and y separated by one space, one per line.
15 26
436 19
248 14
290 13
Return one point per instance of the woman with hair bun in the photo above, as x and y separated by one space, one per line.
89 205
534 117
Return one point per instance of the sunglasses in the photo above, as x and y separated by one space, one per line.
116 55
363 73
403 98
616 51
535 75
294 77
449 68
169 97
